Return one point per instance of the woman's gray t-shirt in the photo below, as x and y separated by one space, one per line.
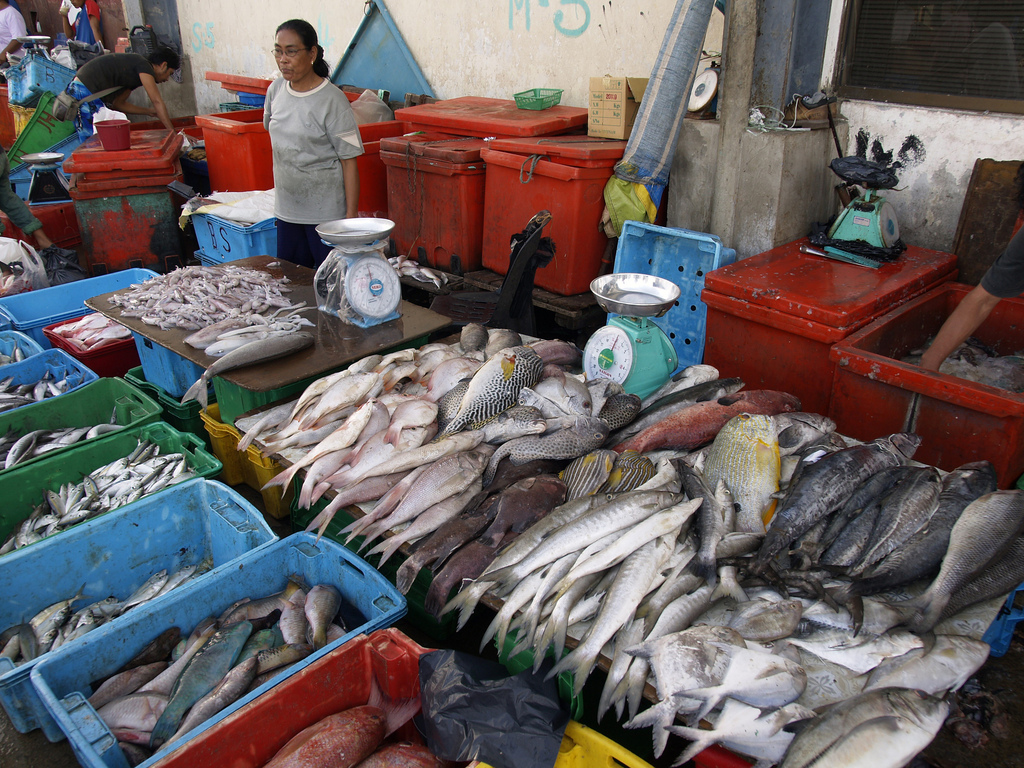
310 133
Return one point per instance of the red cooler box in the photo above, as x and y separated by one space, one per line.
772 318
479 116
874 392
126 215
237 151
562 174
436 198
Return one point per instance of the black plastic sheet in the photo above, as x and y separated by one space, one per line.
473 710
61 265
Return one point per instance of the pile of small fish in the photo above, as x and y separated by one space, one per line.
976 361
92 331
16 355
408 267
17 448
56 624
354 738
53 383
233 332
176 684
142 472
193 298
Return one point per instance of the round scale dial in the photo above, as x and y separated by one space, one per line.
608 355
372 287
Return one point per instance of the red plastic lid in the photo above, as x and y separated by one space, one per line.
431 165
240 82
824 290
437 146
583 151
150 151
242 121
479 116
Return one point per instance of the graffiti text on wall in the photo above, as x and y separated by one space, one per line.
571 22
202 35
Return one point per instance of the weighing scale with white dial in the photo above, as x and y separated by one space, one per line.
631 350
356 283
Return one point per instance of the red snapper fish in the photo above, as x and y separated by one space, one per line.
698 424
342 740
402 755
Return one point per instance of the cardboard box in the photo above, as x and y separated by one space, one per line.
614 102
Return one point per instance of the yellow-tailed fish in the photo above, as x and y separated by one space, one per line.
631 470
745 456
587 473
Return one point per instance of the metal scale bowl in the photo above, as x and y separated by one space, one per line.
631 349
49 184
370 286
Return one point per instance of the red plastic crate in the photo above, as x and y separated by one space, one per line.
437 205
113 359
250 737
58 220
238 151
517 188
7 135
958 420
773 318
479 116
580 151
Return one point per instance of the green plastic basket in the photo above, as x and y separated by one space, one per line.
538 98
234 106
184 417
41 132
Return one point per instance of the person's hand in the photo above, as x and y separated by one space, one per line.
65 8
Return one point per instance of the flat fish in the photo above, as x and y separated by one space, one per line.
496 386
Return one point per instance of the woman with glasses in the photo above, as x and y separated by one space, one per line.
315 143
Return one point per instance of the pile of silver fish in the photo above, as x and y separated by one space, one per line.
233 332
976 361
407 267
53 383
59 623
142 472
16 355
17 448
177 683
92 332
193 298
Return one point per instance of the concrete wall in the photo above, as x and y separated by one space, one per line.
490 49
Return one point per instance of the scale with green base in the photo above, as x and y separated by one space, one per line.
632 350
868 218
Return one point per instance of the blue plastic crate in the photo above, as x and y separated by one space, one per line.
201 521
1000 631
35 75
683 258
11 339
21 174
252 99
58 362
63 679
225 240
31 312
206 259
168 370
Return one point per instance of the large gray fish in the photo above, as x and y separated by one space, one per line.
234 684
985 531
945 667
659 409
495 387
864 494
998 578
499 339
851 541
825 485
877 729
798 430
586 434
921 555
252 353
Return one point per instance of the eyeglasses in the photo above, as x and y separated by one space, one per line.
287 53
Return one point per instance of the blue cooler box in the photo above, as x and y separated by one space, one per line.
64 679
200 521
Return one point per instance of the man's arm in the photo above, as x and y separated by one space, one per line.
11 47
965 319
94 22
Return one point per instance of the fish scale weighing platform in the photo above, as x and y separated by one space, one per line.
336 344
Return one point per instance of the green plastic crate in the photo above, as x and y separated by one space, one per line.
92 404
23 488
183 417
524 660
41 132
418 615
233 106
235 400
538 98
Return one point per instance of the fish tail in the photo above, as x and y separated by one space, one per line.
387 548
282 478
579 662
319 637
712 697
705 568
192 393
167 725
698 738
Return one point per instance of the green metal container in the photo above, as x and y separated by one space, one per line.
137 227
24 488
183 417
95 403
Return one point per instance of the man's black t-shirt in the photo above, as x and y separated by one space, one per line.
114 70
1005 278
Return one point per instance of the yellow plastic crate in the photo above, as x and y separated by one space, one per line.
584 747
250 468
21 117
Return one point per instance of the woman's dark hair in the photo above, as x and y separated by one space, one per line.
164 55
307 34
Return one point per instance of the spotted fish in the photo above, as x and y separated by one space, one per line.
619 410
587 473
449 404
496 386
586 434
631 470
745 456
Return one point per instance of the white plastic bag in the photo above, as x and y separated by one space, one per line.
21 269
370 109
106 113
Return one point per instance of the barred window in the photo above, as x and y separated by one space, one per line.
966 54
